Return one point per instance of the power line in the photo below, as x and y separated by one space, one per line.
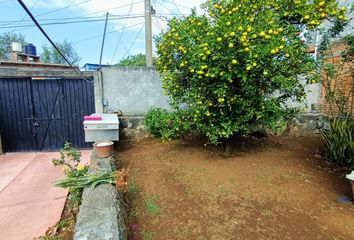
24 17
67 18
77 21
121 34
59 9
168 9
77 17
51 42
133 43
100 35
174 3
189 8
108 9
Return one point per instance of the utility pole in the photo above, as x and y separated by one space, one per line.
148 33
104 37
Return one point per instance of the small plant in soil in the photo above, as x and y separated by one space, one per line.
70 163
147 235
151 206
78 177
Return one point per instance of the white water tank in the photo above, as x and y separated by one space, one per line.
16 47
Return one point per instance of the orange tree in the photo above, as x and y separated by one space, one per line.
234 68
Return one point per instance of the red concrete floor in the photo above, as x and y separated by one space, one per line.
29 203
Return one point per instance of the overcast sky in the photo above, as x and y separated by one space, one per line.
86 37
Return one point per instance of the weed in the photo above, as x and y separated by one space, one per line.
147 235
48 238
132 189
151 206
232 180
267 212
63 223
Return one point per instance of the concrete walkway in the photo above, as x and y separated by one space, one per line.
29 203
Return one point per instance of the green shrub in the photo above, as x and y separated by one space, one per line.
238 65
70 163
166 125
339 140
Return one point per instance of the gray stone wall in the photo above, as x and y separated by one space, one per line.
102 214
307 124
132 90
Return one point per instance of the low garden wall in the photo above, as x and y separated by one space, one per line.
303 125
307 124
102 214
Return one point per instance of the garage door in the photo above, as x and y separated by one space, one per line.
41 115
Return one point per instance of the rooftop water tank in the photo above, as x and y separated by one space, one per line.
16 47
30 49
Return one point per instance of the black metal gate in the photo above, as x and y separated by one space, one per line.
41 115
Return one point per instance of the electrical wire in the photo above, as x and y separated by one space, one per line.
59 9
66 18
133 43
189 8
121 34
108 9
51 42
168 9
100 35
78 21
174 3
81 16
24 17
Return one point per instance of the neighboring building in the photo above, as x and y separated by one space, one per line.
35 65
93 66
316 93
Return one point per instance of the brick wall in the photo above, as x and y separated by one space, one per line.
344 82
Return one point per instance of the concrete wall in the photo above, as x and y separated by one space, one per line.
133 90
102 214
313 93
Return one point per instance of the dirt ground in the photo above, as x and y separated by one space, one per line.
275 188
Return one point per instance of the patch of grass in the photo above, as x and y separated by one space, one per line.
134 212
222 189
64 223
232 180
132 192
48 238
132 189
267 212
147 235
151 206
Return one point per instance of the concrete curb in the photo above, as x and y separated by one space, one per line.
102 214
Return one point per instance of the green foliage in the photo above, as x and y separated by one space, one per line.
339 140
50 54
147 235
86 180
166 125
132 189
237 66
134 60
48 238
151 206
333 71
69 161
5 44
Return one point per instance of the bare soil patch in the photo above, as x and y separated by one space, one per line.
274 188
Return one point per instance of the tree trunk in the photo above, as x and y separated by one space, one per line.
226 146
